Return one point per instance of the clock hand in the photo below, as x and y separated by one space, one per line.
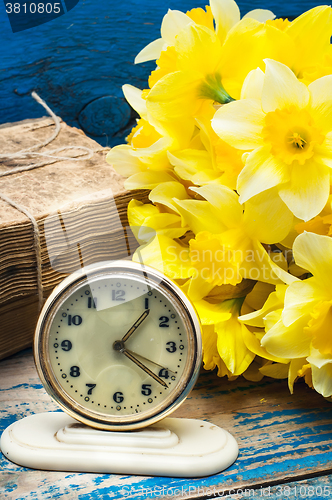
138 322
149 360
143 367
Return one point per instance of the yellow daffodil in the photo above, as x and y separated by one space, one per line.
301 45
225 12
234 237
227 342
311 33
229 334
321 224
225 245
302 329
145 159
147 220
209 158
288 133
204 66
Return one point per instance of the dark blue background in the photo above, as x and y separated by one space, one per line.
79 61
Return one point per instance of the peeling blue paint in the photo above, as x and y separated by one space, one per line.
23 386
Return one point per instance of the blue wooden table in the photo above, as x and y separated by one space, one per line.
284 440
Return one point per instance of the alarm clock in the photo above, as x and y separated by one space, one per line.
118 345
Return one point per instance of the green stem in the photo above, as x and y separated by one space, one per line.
212 88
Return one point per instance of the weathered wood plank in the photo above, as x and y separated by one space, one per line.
314 488
79 61
282 438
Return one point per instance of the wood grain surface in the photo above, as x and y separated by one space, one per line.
284 441
79 61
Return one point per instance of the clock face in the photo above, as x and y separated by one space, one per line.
118 347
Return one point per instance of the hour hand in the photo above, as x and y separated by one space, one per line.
137 323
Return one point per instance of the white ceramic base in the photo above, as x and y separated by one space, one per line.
173 447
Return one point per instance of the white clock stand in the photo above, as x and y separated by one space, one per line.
172 447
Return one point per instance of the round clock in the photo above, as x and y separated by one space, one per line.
118 345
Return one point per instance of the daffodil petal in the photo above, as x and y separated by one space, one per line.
288 342
166 224
253 85
134 97
199 287
274 301
245 47
262 171
299 300
324 151
257 265
173 22
122 159
231 346
199 216
261 15
321 102
254 346
171 103
317 23
194 165
147 180
275 370
322 379
258 296
209 314
225 200
294 367
211 358
267 218
164 194
318 359
145 221
313 252
198 49
226 14
167 256
281 88
151 51
308 190
240 123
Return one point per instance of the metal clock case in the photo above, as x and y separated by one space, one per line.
118 345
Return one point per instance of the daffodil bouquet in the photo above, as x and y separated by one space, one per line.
234 142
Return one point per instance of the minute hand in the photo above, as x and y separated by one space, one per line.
143 367
148 360
138 322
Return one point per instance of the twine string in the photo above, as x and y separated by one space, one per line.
36 238
84 154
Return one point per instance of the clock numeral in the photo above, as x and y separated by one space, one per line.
66 345
92 303
146 391
171 346
118 295
146 302
74 371
163 373
118 397
74 320
92 386
164 321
